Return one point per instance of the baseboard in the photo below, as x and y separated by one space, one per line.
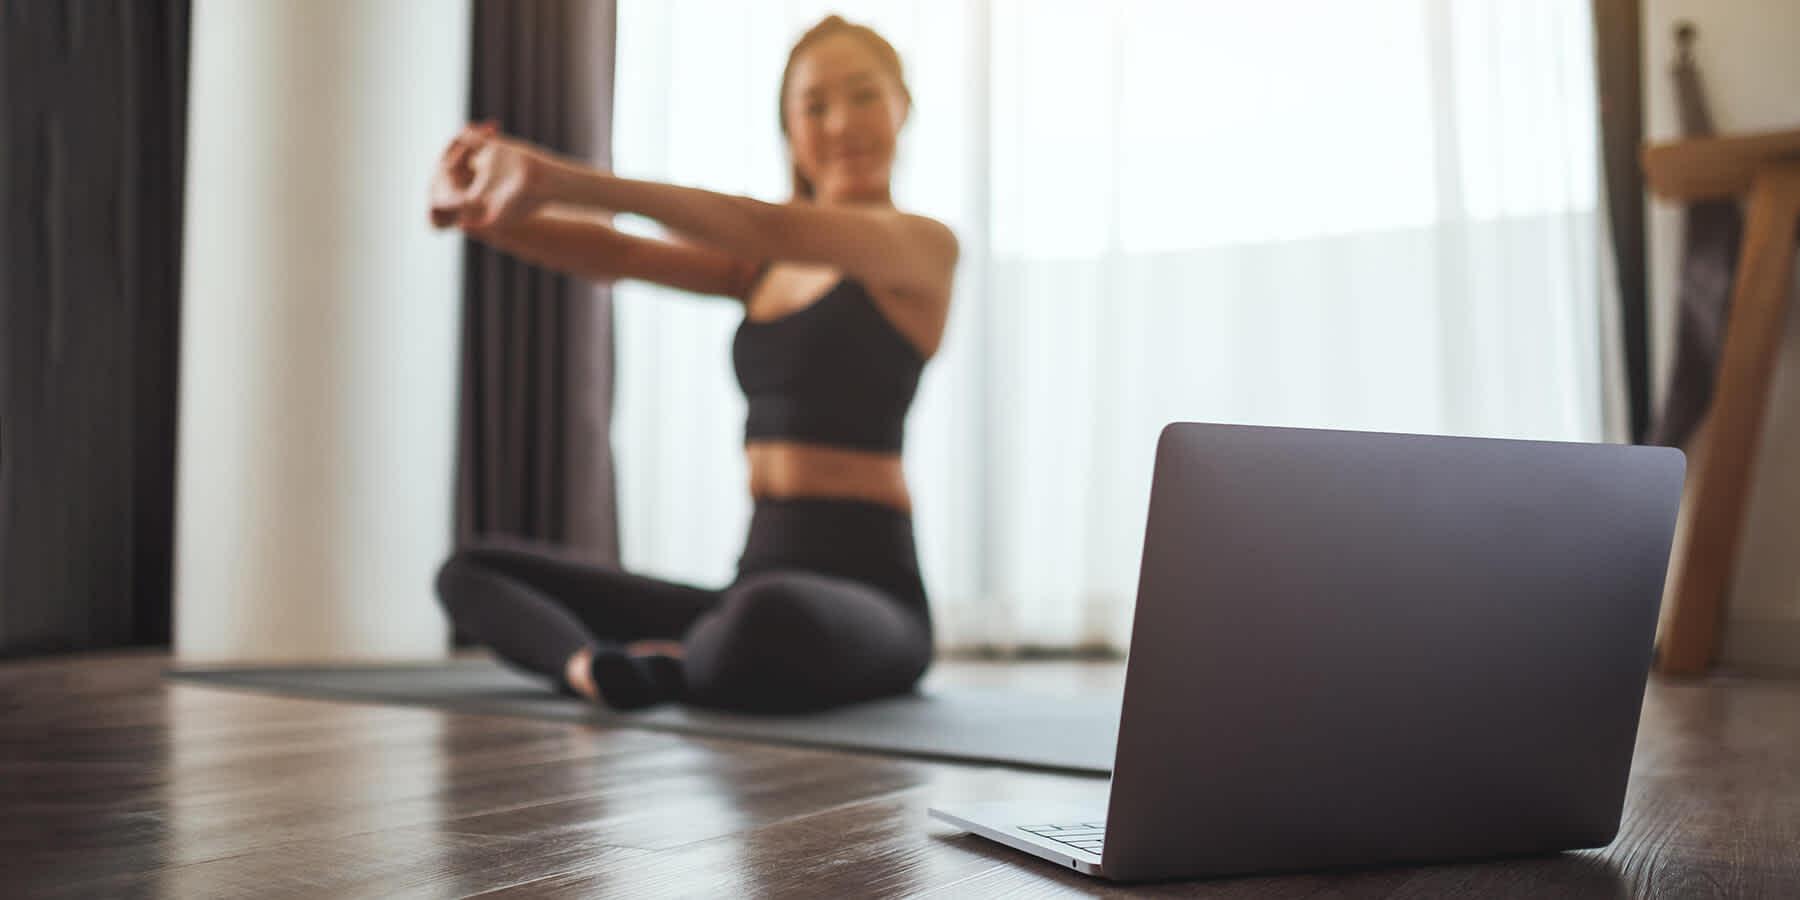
1762 644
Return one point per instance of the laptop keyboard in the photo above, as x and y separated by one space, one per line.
1082 836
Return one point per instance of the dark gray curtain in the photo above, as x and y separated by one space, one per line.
93 97
1712 233
1619 72
534 456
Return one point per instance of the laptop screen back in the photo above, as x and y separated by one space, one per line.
1353 648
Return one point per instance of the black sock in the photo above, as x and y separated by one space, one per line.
629 682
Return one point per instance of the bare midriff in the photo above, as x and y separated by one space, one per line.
786 470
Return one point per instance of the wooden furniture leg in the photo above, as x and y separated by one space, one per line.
1706 562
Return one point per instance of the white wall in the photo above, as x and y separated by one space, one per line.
320 319
1748 53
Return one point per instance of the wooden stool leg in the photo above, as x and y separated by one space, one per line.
1704 566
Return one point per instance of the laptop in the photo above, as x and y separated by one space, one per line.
1354 648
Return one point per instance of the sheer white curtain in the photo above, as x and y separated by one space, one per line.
1378 215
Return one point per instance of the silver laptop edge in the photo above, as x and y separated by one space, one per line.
983 821
1356 648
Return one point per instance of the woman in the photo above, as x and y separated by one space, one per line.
845 299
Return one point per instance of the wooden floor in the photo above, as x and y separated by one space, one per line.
115 783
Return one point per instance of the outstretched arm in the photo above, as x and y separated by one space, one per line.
596 251
580 245
879 246
906 253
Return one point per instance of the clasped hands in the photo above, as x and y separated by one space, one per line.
486 179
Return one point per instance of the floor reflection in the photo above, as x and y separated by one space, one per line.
298 797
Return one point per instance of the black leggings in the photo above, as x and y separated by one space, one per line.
828 608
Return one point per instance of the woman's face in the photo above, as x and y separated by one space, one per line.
843 116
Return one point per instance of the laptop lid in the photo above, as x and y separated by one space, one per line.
1357 648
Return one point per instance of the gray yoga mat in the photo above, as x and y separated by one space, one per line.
961 725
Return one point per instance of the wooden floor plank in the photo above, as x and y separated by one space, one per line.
118 784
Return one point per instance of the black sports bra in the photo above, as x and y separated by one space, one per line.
835 372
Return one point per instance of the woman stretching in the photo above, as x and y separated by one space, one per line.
845 298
